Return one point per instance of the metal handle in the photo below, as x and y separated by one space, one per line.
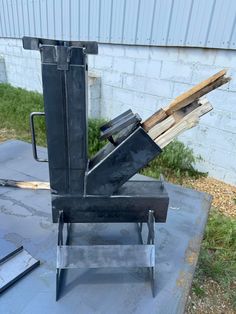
34 147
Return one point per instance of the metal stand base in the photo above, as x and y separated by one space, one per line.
99 256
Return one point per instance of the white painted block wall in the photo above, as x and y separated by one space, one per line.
145 79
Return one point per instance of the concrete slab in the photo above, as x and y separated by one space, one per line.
26 220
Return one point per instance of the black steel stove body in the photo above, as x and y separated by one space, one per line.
98 189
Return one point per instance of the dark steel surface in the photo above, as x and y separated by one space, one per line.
66 118
26 220
101 154
115 140
32 43
121 123
122 163
112 122
131 203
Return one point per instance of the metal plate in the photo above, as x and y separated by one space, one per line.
122 163
95 256
66 121
118 124
14 266
130 203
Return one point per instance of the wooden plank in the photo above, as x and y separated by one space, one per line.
161 127
176 130
197 91
186 98
35 185
205 107
179 114
154 119
187 122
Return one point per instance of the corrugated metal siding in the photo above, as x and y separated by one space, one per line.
196 23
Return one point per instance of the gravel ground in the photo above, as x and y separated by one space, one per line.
224 195
211 303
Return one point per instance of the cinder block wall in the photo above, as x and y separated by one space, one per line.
22 66
3 73
145 79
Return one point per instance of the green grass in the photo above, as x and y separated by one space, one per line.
176 160
94 143
16 104
219 248
217 258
